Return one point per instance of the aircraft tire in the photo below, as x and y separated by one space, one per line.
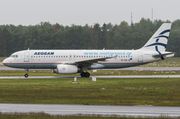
25 75
83 74
87 74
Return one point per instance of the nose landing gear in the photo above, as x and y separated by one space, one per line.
26 75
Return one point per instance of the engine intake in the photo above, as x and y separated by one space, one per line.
66 69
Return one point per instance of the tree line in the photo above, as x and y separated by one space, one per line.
55 36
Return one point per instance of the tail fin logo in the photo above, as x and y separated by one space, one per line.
157 39
161 35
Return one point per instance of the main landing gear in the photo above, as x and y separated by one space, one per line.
85 74
26 75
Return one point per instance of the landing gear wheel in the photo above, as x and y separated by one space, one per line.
85 74
25 75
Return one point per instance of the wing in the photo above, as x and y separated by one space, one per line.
87 62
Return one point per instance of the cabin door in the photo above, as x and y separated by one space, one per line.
140 56
26 56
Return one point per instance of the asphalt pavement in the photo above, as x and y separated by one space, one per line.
55 109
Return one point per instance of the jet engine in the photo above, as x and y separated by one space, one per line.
66 69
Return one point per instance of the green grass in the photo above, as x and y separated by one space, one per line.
157 92
78 116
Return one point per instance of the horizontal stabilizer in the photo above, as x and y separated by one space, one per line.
163 54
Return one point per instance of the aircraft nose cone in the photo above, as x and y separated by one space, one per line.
4 62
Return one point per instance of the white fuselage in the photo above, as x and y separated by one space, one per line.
49 59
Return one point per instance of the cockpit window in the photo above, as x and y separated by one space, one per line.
14 56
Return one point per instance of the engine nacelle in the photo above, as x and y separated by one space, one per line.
66 69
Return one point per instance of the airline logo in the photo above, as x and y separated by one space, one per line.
161 35
44 53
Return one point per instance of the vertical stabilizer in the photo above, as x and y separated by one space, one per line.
158 41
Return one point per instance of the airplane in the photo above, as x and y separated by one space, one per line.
80 61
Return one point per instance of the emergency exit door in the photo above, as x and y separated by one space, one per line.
140 56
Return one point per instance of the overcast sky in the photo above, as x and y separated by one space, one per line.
81 12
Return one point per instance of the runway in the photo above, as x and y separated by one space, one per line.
53 77
92 109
